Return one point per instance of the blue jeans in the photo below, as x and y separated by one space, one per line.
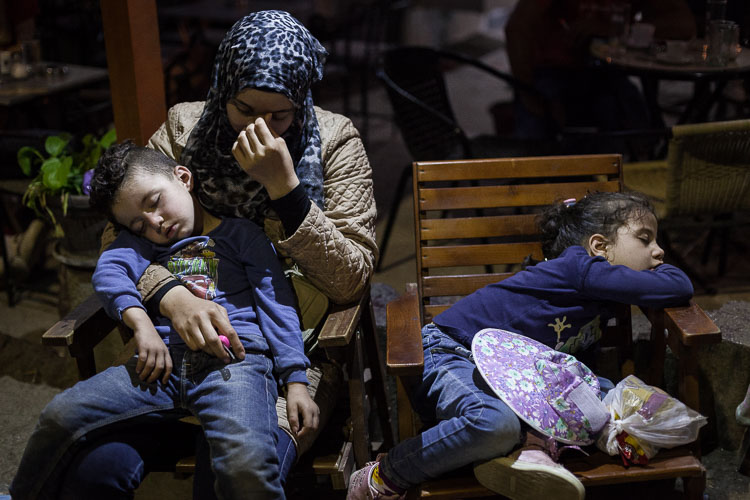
234 403
468 421
116 465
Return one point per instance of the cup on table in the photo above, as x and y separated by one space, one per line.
641 35
31 51
5 60
723 39
619 25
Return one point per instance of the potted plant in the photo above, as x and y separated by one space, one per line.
59 189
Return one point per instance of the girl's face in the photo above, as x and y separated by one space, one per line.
249 104
635 245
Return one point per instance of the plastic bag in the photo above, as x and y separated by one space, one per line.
644 419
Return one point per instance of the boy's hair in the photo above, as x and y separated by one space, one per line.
119 163
566 224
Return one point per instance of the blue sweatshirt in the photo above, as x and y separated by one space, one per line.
235 265
564 302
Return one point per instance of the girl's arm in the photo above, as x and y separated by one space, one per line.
664 286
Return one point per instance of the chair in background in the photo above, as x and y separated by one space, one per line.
450 264
422 111
704 183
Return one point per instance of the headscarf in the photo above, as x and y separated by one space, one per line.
269 51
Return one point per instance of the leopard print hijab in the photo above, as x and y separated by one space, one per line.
269 51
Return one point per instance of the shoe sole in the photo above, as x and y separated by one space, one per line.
528 481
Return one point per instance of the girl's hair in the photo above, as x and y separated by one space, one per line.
571 223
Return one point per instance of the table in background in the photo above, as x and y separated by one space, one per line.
709 81
39 98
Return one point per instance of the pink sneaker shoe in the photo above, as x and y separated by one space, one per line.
360 488
529 474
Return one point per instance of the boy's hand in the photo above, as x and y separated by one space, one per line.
300 404
199 322
153 356
265 158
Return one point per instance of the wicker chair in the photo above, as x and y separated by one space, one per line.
703 183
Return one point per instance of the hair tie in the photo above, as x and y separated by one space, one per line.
569 202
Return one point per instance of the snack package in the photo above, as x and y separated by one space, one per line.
645 419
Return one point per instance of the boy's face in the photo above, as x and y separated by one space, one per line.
635 246
157 207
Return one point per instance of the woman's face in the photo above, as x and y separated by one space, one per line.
249 104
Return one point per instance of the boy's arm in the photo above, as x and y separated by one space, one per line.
153 354
664 286
279 322
275 308
118 270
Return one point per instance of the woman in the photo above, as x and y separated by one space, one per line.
318 209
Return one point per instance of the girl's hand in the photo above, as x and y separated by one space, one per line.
153 356
301 407
265 157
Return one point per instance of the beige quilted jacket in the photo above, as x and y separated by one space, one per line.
335 248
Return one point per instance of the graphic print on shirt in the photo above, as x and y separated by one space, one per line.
196 266
588 334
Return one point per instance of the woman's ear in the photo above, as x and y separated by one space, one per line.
185 176
597 245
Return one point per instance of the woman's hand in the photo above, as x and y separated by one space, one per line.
301 408
265 157
199 322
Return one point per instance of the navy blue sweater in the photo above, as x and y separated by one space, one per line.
236 266
564 302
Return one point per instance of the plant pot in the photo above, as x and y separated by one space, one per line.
83 229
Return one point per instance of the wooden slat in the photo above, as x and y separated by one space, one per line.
430 311
439 286
513 168
479 255
455 198
478 227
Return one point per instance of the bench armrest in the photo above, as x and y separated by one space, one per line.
404 355
80 331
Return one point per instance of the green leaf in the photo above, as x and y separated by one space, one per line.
55 173
108 139
55 145
26 156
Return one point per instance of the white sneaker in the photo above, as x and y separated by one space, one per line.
529 474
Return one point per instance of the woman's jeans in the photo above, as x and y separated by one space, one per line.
469 422
234 403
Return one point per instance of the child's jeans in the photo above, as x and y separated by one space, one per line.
235 404
471 422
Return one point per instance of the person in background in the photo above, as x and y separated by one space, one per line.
548 48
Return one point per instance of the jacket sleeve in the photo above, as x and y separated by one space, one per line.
335 248
664 286
274 307
117 272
